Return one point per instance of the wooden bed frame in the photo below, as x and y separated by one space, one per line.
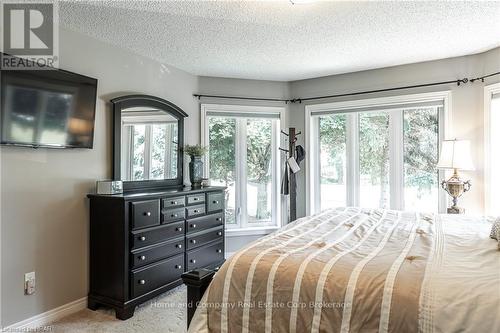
197 282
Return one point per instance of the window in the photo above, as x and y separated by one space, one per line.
421 144
379 153
374 159
492 139
333 163
243 155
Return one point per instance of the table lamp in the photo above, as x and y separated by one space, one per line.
455 155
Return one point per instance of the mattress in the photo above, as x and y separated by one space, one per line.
360 270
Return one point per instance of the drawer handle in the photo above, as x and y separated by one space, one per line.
173 202
193 225
142 281
215 202
179 246
142 257
178 229
196 211
193 261
193 241
219 251
147 213
196 199
218 219
174 215
219 233
178 267
142 238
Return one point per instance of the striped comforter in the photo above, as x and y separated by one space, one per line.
353 270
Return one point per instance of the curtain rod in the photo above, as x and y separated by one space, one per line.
300 100
458 82
484 77
199 96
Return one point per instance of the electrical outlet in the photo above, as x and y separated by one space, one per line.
29 283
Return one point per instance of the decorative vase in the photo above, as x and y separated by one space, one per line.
196 171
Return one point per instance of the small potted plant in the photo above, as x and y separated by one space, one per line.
196 152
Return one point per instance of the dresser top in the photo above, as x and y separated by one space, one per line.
158 192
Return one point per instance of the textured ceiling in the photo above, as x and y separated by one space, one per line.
276 40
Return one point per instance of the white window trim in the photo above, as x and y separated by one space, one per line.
279 215
312 202
489 90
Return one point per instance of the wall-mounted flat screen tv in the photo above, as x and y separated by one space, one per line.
47 108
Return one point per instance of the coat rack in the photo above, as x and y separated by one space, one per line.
292 183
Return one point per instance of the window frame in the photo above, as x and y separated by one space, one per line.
242 227
352 142
489 91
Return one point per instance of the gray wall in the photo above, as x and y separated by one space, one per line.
45 212
467 100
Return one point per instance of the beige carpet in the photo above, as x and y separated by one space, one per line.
165 314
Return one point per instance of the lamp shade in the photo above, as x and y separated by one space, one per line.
455 154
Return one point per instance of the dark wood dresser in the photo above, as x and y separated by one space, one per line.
141 243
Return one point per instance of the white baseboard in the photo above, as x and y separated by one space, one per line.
44 319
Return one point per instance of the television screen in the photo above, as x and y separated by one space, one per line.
47 108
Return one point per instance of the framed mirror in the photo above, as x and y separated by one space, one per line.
148 134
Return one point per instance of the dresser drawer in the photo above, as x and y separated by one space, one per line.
195 211
195 199
205 256
171 215
215 201
204 237
145 213
154 276
174 202
157 252
157 234
203 223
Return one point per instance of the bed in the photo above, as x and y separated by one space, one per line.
360 270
